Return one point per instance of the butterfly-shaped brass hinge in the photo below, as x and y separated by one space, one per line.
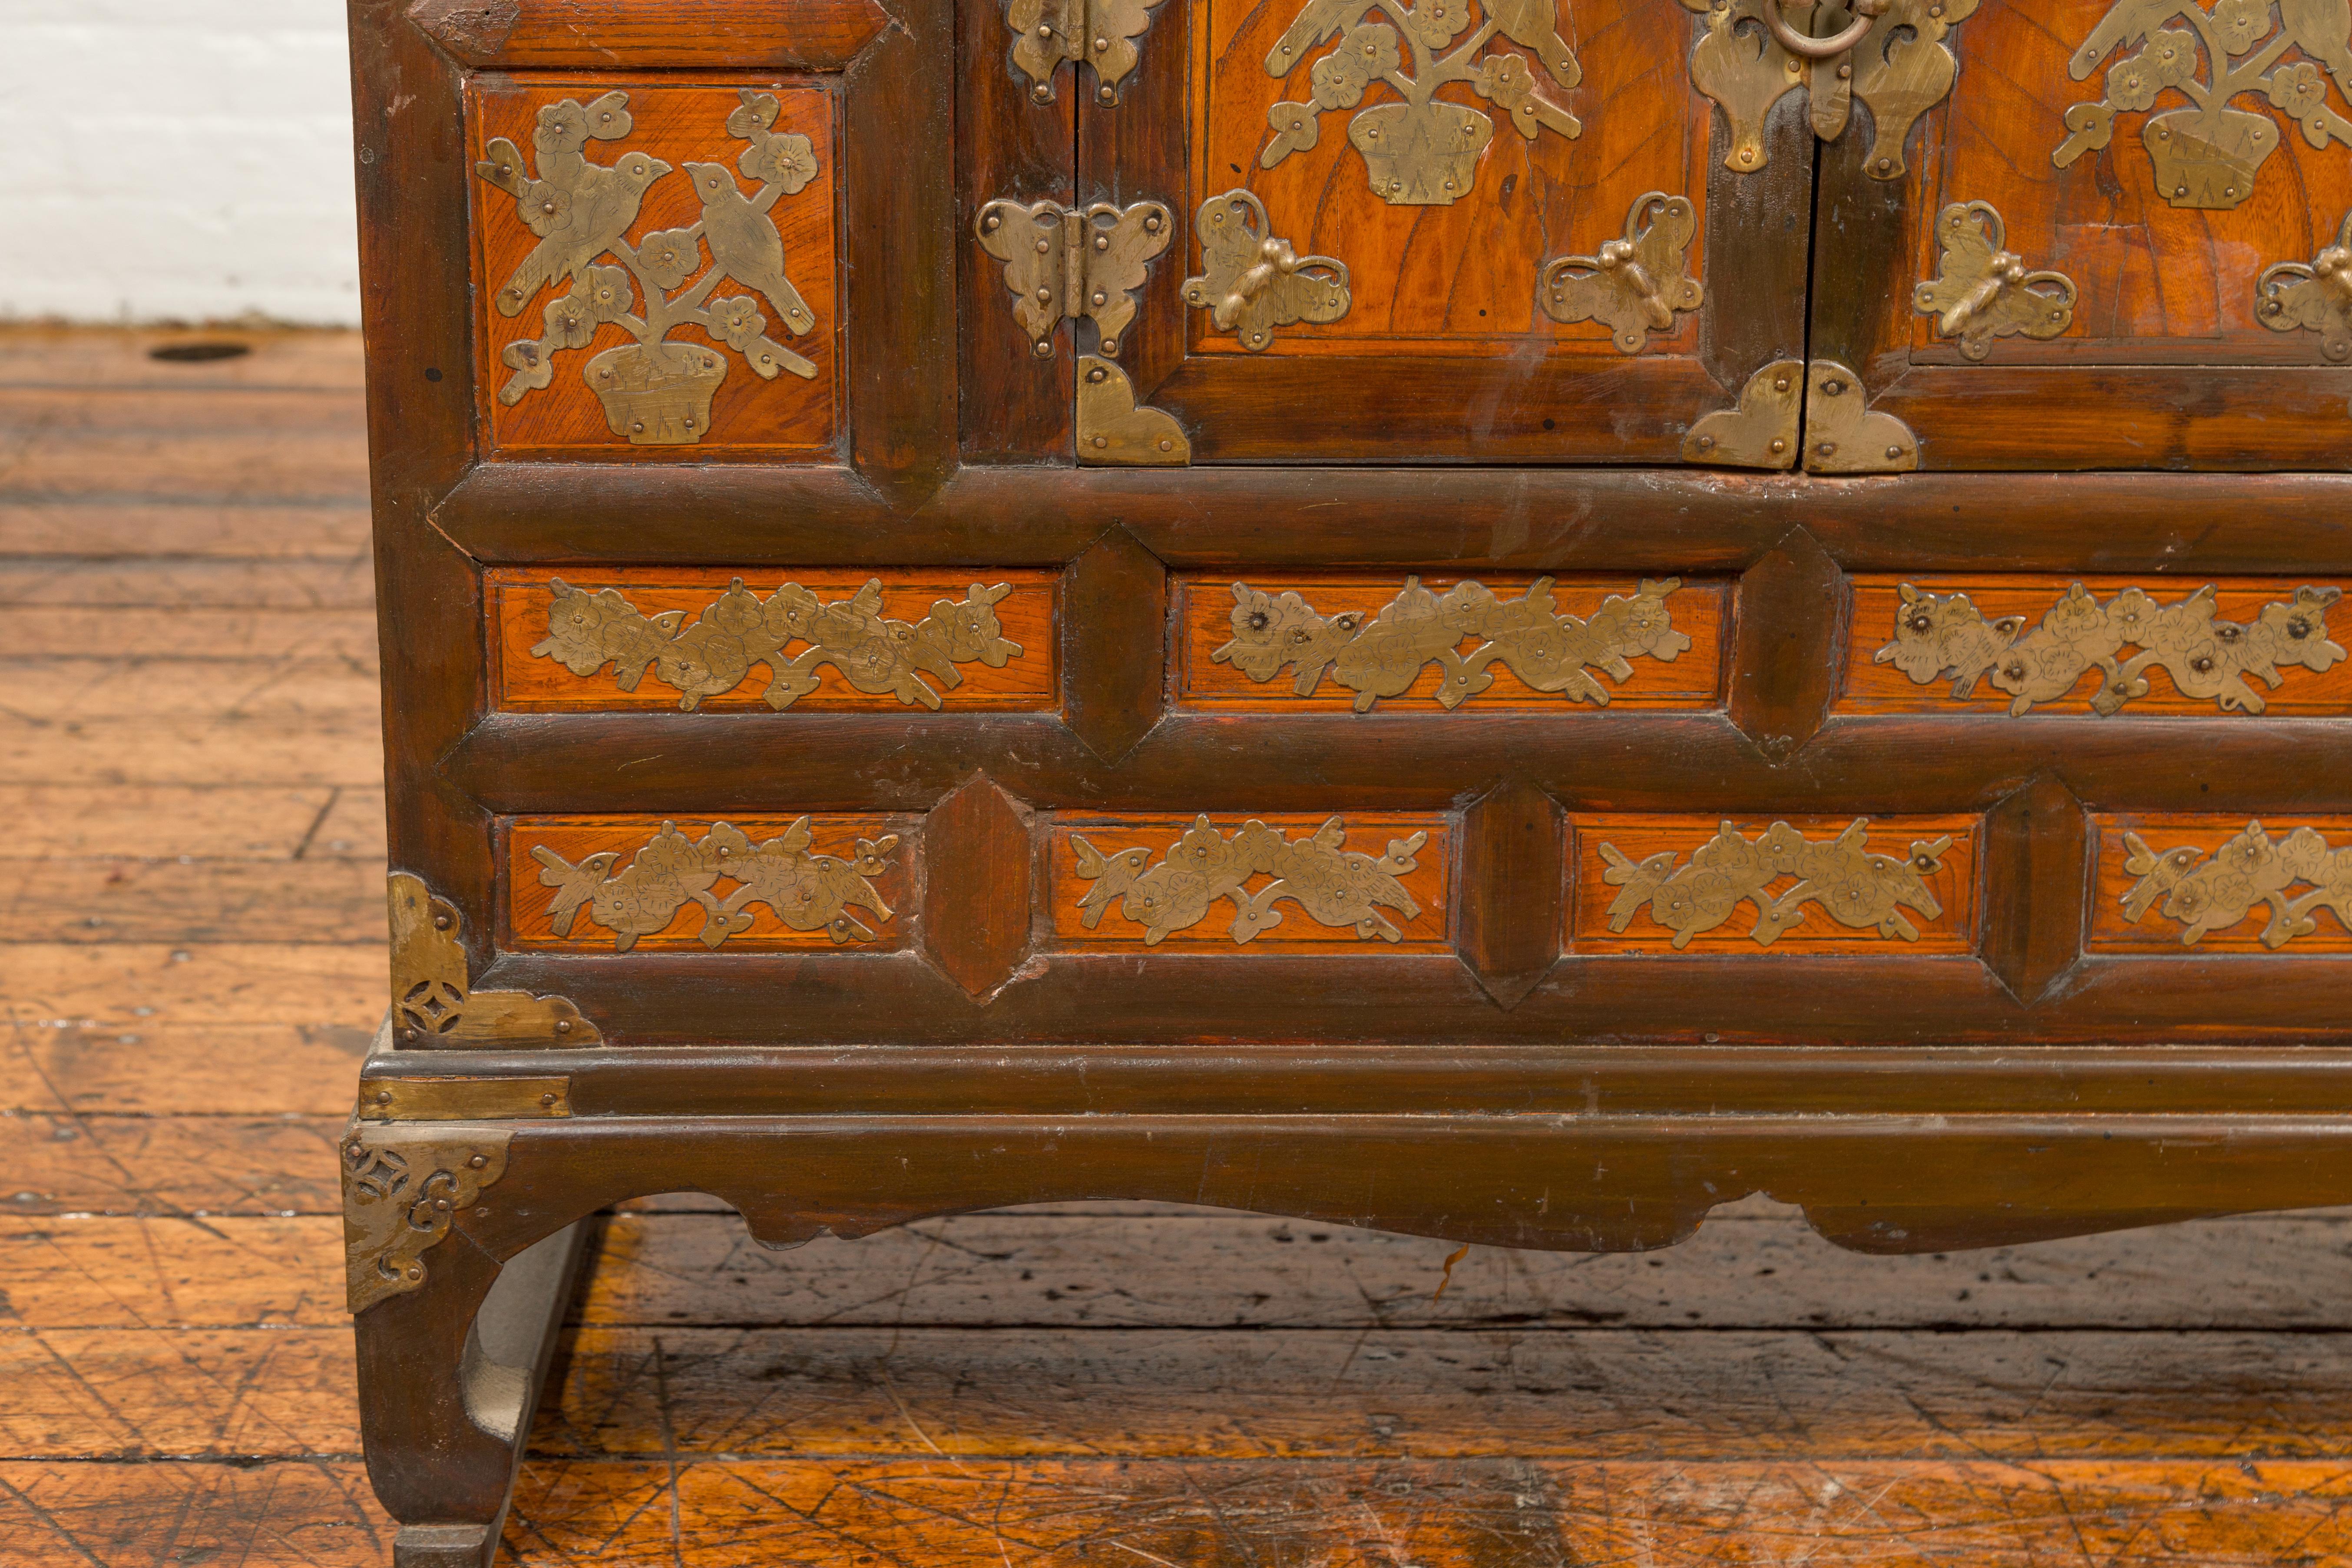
1073 263
2292 296
1981 292
1101 34
1888 53
1636 285
1253 280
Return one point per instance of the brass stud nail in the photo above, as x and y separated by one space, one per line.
1844 71
1101 43
1166 445
1102 242
1110 346
440 922
1102 440
563 1026
1826 448
1043 245
1885 165
415 1273
384 1097
1832 386
1894 451
1707 443
547 1099
1108 94
478 1160
482 1213
638 427
1780 383
1044 347
1779 446
1100 297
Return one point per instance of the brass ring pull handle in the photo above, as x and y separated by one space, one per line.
1797 44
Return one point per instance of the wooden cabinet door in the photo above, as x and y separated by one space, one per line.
2119 249
1469 231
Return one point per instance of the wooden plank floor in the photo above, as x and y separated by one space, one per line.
193 961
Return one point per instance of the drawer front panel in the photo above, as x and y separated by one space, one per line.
2095 645
818 640
747 884
1509 643
1900 887
2222 884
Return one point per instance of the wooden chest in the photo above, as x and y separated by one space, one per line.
1507 619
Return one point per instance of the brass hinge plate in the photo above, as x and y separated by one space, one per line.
1100 34
1074 264
463 1099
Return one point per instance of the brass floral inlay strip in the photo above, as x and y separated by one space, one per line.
1853 885
1382 654
2213 890
655 392
806 891
1941 636
586 631
1334 886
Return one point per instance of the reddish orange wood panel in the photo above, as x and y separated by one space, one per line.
1207 605
1458 278
636 885
787 418
2157 283
1894 889
1416 903
521 600
2276 875
2295 629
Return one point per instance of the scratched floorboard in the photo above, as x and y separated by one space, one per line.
190 961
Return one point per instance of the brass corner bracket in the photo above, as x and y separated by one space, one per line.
2295 296
1112 429
1634 286
403 1189
1981 292
1073 263
1845 436
1760 431
432 1000
1098 34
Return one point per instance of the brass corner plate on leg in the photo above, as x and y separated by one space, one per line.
403 1189
432 1001
1845 436
1113 430
1760 432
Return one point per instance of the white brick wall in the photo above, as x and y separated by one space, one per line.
177 160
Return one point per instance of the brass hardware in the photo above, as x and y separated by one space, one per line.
1336 887
1844 436
655 392
2293 297
1982 292
431 1001
1943 634
586 631
1855 886
1383 654
2250 868
1423 152
1760 432
807 892
1098 34
1635 285
1113 429
1068 263
403 1188
463 1099
2207 156
1253 282
1892 57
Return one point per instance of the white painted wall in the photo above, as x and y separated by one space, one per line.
176 161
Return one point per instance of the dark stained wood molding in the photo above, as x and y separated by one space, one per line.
1114 634
2037 849
1786 633
1513 880
631 35
978 904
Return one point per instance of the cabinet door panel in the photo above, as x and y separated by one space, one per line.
1453 214
2145 210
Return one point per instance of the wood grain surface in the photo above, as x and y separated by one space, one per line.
1954 887
1870 687
786 419
1694 679
525 682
